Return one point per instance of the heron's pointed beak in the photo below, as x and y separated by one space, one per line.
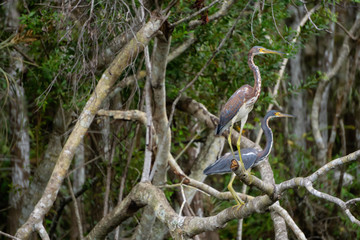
284 115
272 51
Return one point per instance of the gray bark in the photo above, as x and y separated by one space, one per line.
20 151
160 120
43 171
297 101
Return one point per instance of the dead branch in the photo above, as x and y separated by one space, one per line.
307 182
289 221
131 115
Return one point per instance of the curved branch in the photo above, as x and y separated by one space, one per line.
290 222
307 182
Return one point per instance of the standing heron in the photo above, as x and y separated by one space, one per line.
250 156
239 105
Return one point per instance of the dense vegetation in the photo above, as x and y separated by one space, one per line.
54 53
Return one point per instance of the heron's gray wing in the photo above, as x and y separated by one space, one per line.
222 165
233 105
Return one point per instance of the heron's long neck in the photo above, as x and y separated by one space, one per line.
269 138
257 77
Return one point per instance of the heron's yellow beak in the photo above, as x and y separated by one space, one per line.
264 50
279 114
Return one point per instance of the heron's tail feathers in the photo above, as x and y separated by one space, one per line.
221 166
218 129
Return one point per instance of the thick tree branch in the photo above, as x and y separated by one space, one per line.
159 62
160 121
149 137
180 227
131 115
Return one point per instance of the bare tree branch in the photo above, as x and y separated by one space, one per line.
148 140
182 48
307 182
9 236
346 31
289 221
39 227
194 14
132 115
77 212
225 7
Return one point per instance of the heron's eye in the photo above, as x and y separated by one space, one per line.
277 113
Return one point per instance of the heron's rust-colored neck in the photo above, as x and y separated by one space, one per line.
257 76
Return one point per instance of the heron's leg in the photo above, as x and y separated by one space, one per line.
229 140
243 121
231 189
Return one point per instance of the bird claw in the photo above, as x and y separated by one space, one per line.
239 202
238 205
250 174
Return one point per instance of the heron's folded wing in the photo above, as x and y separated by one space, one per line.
222 165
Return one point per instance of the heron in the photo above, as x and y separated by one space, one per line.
251 157
240 104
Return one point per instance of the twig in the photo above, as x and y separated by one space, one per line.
77 213
346 31
188 145
316 27
183 197
257 6
194 14
169 6
273 17
352 201
241 221
9 236
180 49
65 201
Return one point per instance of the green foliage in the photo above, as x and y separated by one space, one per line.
63 68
